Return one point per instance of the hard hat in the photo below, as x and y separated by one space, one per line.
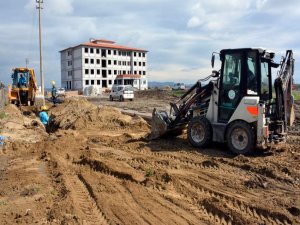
53 82
44 108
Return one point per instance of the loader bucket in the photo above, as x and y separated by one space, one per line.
158 125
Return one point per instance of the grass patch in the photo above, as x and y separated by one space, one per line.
2 115
296 95
177 93
149 172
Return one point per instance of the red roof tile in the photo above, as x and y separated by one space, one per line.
111 46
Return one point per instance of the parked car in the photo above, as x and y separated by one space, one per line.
179 86
121 93
61 92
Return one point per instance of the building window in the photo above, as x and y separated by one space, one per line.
140 72
135 72
92 82
115 62
134 54
144 54
140 55
92 51
86 61
104 73
98 60
140 63
115 81
98 82
69 53
87 82
103 52
69 63
109 52
120 53
70 73
124 72
97 51
144 82
98 72
115 52
92 61
86 71
144 72
109 82
144 64
115 72
92 71
134 63
104 83
109 62
86 50
109 72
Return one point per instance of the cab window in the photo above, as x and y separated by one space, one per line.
252 74
264 67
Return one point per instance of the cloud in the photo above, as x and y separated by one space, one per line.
180 35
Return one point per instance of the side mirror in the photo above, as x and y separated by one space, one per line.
213 60
215 73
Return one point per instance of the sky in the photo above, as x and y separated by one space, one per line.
179 35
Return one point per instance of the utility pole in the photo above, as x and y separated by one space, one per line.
39 7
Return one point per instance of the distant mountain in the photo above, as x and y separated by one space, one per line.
153 84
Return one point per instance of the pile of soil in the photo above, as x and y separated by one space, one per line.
77 114
295 129
154 93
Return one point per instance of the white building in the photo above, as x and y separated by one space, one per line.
98 63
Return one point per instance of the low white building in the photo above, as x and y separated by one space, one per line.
97 64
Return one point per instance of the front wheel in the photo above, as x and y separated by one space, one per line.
199 132
240 138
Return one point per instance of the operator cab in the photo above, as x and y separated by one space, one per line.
20 78
244 72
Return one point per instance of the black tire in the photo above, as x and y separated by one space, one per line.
121 98
240 138
199 132
111 98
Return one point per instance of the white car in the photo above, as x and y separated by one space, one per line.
179 86
121 93
61 92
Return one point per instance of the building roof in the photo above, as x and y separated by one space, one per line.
106 44
130 76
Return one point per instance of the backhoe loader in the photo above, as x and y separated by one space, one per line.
23 88
240 105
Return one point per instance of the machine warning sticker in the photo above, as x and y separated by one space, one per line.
231 94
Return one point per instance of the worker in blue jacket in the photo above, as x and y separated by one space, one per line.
44 116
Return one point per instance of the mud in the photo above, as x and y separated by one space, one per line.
97 167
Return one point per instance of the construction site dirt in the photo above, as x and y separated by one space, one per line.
96 166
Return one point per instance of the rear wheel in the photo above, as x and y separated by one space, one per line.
240 138
199 132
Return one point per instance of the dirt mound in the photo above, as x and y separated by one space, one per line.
79 113
154 93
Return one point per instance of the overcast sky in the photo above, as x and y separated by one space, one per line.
179 35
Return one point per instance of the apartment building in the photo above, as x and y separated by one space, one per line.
101 64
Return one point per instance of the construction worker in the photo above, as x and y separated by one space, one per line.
53 93
43 115
22 81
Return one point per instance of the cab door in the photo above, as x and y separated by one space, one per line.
230 85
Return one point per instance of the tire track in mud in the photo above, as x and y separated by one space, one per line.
240 206
85 201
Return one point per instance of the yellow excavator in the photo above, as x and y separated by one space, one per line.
24 87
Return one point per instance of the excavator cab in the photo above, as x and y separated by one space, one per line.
23 88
